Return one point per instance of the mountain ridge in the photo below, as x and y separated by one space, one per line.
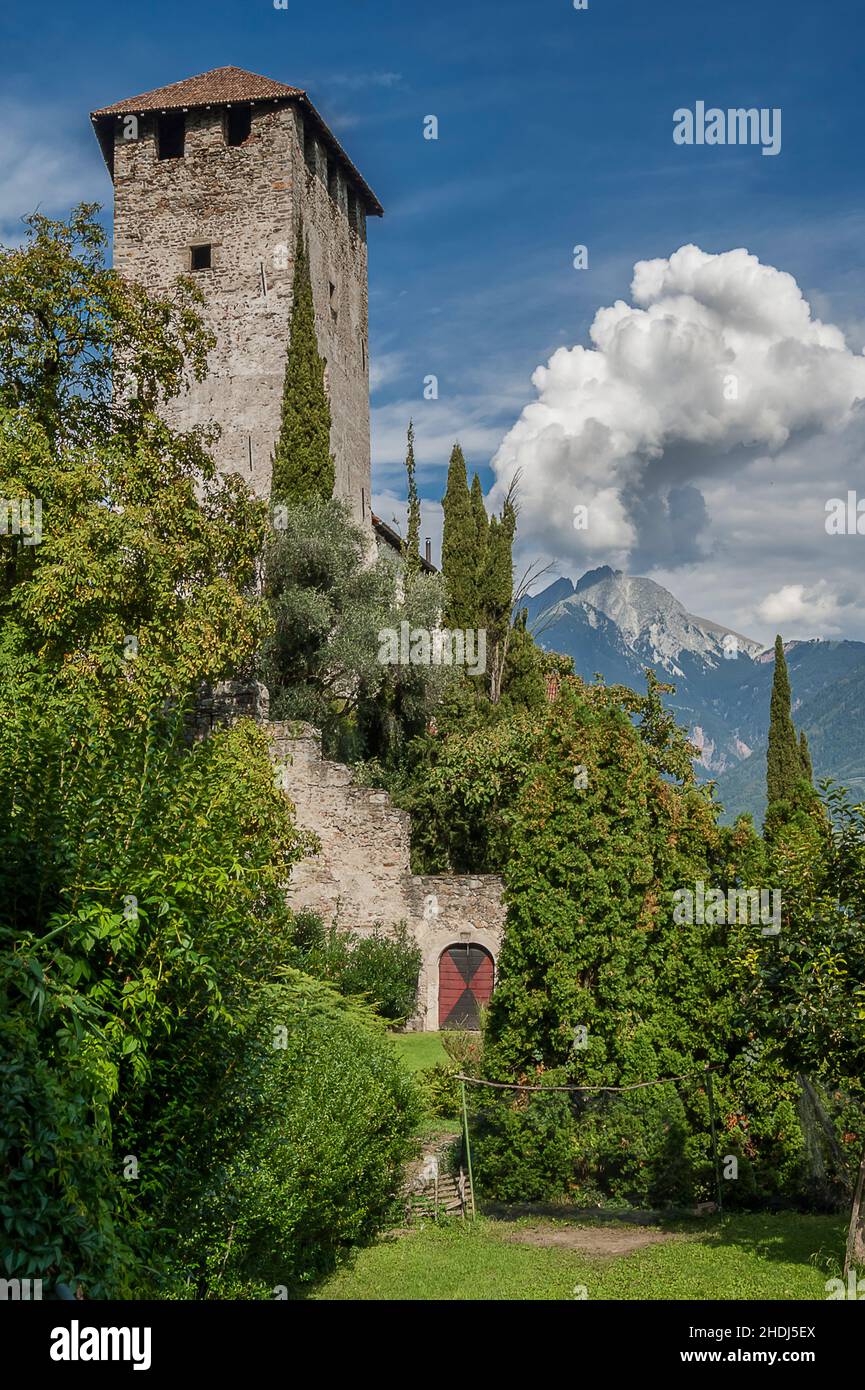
615 625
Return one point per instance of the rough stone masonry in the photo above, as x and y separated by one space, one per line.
361 875
211 175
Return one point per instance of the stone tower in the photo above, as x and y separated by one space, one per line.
210 177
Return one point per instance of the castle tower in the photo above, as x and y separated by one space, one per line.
210 177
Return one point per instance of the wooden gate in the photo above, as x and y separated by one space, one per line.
465 983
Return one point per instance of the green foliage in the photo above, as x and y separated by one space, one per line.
131 923
459 546
315 1121
463 783
141 586
411 548
303 466
383 967
482 530
783 759
143 874
61 1198
805 757
327 606
440 1091
522 1149
331 613
85 353
465 1050
807 992
589 938
496 593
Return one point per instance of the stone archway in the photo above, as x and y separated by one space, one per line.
466 979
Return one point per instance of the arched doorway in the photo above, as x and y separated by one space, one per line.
466 975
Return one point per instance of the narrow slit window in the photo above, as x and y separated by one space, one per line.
333 179
238 124
171 135
309 149
200 256
352 210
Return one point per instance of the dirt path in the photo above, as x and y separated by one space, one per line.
589 1240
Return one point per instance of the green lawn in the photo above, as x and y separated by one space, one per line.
419 1050
741 1256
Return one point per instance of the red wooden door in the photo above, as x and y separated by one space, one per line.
465 982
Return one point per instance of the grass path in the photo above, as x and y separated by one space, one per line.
419 1050
743 1255
789 1256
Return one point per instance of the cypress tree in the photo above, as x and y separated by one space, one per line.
805 758
783 761
459 545
411 547
482 527
497 593
303 466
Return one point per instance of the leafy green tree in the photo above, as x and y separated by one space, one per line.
783 761
411 547
328 659
459 541
303 466
83 352
805 995
142 585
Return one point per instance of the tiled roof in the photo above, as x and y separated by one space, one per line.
207 89
221 87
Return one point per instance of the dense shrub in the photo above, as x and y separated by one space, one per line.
314 1126
382 967
441 1091
385 968
522 1149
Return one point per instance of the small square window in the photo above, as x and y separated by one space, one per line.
238 124
199 256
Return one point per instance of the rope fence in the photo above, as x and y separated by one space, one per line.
513 1086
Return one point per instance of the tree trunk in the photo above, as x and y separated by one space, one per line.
856 1237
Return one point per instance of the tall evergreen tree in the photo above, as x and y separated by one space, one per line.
482 528
805 757
497 593
783 761
459 546
303 466
411 547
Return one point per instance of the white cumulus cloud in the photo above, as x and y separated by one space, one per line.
717 358
801 611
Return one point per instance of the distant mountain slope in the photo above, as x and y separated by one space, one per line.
834 722
615 625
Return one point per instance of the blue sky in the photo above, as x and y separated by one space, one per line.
555 128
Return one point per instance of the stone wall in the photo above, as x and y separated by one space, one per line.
362 877
245 202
